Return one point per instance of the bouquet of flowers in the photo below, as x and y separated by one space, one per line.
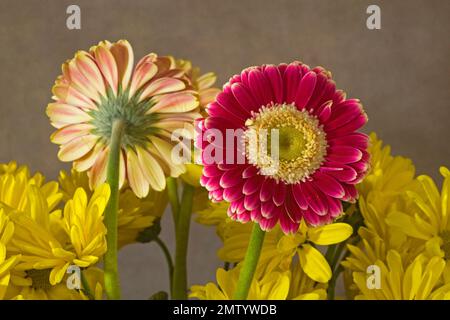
301 200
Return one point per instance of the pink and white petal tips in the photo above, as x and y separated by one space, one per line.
153 99
312 181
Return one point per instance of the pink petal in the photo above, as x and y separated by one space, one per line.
231 178
344 154
339 171
344 113
348 128
252 185
274 76
211 171
244 97
305 90
260 87
252 201
292 77
229 103
233 193
268 209
287 225
299 196
328 185
326 112
316 199
334 207
311 217
267 189
356 140
279 193
268 224
249 172
350 193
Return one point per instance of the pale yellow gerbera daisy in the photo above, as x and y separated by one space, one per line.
102 87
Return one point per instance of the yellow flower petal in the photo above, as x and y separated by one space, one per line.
124 56
68 133
107 65
161 86
151 170
330 234
175 103
65 114
77 148
314 263
136 177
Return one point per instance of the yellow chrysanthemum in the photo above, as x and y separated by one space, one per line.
149 101
14 187
38 287
52 241
388 175
419 280
428 220
384 185
203 84
274 285
135 214
9 167
49 241
6 262
279 249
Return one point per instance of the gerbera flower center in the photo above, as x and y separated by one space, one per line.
445 236
40 278
295 134
138 124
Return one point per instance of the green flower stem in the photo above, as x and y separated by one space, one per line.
112 286
250 263
179 288
168 257
172 191
336 269
87 290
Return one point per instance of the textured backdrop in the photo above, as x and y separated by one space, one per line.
401 74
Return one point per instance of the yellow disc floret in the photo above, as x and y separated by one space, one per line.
285 143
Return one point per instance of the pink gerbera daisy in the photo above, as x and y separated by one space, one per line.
321 157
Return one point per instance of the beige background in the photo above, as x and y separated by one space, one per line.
401 74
